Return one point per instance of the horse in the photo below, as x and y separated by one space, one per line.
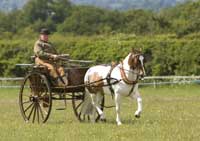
120 80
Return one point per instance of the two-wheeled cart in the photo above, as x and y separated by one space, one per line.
38 92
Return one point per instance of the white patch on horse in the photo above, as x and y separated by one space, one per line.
121 89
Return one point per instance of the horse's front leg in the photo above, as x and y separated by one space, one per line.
139 104
117 104
139 109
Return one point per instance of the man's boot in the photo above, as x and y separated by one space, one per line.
59 82
65 80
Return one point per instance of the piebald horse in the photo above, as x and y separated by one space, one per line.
125 76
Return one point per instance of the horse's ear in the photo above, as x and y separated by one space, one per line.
132 50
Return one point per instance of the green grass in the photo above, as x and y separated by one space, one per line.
170 113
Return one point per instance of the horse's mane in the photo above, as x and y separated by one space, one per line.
136 51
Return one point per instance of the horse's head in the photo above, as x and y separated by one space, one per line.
136 62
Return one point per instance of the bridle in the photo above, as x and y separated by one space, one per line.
112 81
122 70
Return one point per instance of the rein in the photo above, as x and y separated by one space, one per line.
109 78
130 71
100 80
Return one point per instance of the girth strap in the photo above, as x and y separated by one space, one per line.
108 78
131 90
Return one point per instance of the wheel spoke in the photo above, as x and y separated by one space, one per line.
46 103
79 105
27 95
31 112
26 102
38 116
79 115
88 117
28 107
42 94
41 111
42 108
34 113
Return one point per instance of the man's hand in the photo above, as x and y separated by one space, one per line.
55 57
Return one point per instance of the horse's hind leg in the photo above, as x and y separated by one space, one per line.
99 106
96 99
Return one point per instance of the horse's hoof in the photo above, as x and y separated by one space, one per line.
103 120
119 124
137 116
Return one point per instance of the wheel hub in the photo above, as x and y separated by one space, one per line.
34 99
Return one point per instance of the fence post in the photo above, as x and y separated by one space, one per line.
154 83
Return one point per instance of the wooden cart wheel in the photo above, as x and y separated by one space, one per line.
77 103
35 98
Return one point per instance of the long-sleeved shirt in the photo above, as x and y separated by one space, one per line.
44 50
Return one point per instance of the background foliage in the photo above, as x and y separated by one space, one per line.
169 38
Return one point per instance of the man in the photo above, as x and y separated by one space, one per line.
47 55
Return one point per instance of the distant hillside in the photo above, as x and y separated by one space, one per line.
130 4
8 5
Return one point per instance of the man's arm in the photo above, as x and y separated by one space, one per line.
39 52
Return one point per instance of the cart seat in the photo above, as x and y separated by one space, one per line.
41 69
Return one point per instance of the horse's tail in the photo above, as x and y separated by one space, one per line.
87 82
87 104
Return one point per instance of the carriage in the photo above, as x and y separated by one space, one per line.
38 91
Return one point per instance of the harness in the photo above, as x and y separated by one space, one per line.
124 78
108 78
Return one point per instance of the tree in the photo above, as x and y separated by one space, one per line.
83 20
139 22
43 10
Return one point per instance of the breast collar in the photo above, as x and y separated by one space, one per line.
124 77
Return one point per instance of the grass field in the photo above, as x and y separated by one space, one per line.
170 113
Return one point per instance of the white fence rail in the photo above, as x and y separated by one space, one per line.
150 80
11 79
10 82
166 80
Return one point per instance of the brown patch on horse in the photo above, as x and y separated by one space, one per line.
133 60
95 83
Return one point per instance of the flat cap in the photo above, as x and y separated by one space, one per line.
45 31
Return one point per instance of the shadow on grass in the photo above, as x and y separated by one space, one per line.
132 121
